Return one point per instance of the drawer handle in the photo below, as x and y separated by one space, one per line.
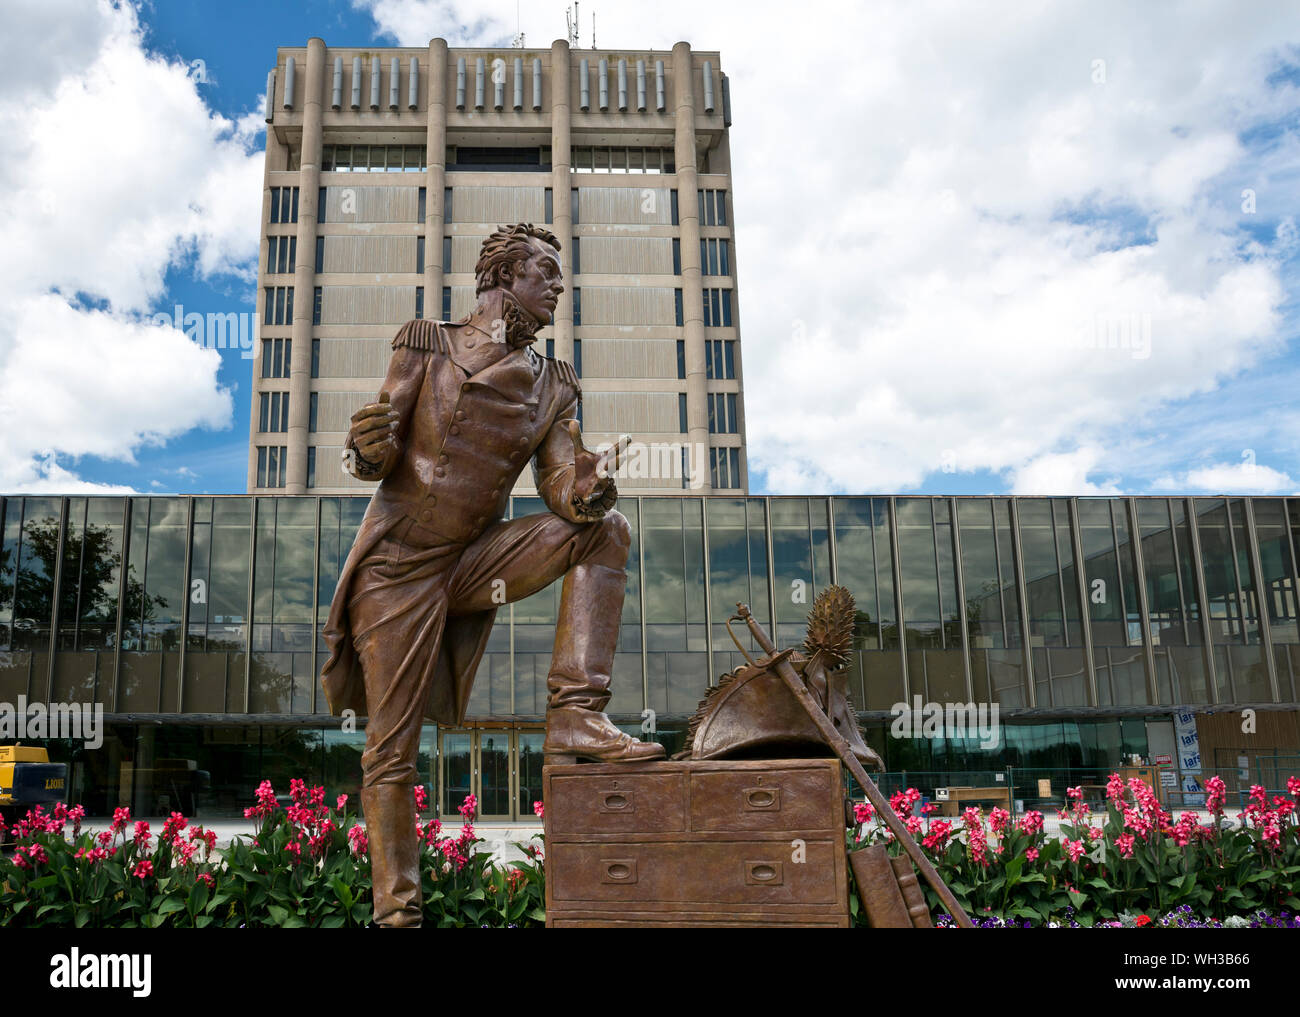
619 870
764 874
616 801
763 799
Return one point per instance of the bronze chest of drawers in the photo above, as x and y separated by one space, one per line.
703 843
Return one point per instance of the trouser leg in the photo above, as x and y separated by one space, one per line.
394 627
515 560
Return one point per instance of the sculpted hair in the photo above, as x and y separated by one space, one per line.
505 248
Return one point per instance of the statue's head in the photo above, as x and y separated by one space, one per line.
524 261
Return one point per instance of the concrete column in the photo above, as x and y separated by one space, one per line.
435 180
561 195
304 275
688 217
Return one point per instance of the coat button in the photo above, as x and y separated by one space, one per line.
439 472
442 458
460 414
455 429
523 442
532 414
465 387
433 501
425 516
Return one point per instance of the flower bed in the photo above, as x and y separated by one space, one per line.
306 865
1133 862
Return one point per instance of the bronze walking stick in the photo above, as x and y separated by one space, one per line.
841 747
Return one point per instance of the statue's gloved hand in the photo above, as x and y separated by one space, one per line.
594 492
374 429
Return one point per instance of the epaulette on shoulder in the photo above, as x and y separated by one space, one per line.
566 372
421 334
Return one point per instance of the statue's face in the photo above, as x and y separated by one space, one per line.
538 282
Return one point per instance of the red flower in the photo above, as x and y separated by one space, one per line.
539 810
143 868
1142 920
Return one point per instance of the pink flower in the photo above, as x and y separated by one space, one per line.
913 824
1074 848
421 798
1217 794
142 837
1125 843
143 868
121 816
539 810
863 812
1031 854
1259 795
976 842
998 819
1115 788
903 801
173 825
341 803
940 831
468 807
207 877
1293 786
357 838
1075 793
1031 822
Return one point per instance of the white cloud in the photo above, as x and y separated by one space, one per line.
936 217
1062 474
112 171
1229 478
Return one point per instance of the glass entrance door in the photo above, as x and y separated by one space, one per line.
456 770
501 767
494 774
528 772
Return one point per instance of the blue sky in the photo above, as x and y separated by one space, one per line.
1051 257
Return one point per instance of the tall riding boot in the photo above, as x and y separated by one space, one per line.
394 854
591 608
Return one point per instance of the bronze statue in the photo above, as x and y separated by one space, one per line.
464 408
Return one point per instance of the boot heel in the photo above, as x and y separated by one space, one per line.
556 759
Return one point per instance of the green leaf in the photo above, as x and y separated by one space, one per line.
198 897
171 905
333 922
342 892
